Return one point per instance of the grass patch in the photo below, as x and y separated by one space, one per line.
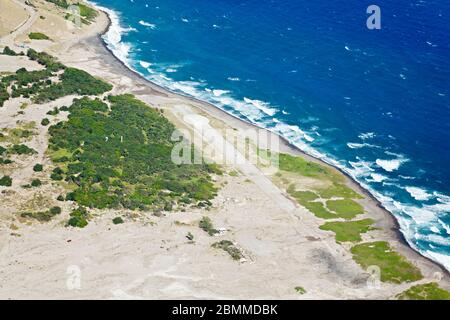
349 231
233 173
394 267
228 247
302 196
60 155
428 291
319 210
42 216
16 135
306 168
346 208
86 12
337 190
38 36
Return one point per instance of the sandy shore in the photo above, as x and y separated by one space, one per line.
149 257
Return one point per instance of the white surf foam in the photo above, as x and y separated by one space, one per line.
389 165
418 193
434 229
113 37
145 64
361 168
261 105
354 145
445 226
377 177
147 24
218 93
366 135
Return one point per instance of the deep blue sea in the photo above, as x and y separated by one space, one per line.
375 103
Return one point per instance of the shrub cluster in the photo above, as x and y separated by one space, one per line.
78 218
6 181
121 157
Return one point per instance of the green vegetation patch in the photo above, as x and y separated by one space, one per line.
307 168
117 220
73 81
300 290
394 267
38 167
206 225
230 248
4 95
21 149
338 190
5 161
36 183
336 194
50 84
9 52
6 181
60 3
78 218
349 231
319 210
87 13
346 208
428 291
16 135
42 216
121 157
38 36
46 60
302 196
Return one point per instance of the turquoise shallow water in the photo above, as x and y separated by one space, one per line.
375 103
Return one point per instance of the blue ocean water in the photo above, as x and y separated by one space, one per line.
375 103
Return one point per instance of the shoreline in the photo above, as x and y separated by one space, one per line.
290 148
